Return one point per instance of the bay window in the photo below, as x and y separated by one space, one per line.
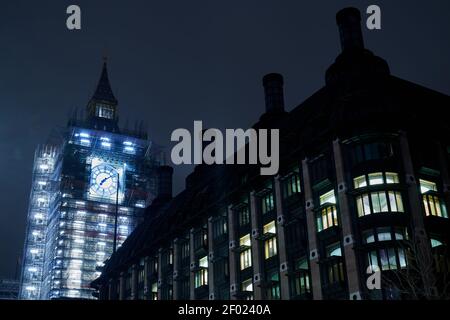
246 253
270 244
201 276
154 291
432 204
375 178
388 256
327 216
381 201
378 201
385 234
247 289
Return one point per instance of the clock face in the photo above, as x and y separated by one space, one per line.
104 180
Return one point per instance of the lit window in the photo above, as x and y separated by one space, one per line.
130 150
246 254
270 247
104 111
85 142
432 204
368 236
401 234
245 241
435 243
384 234
123 230
140 204
434 207
203 262
379 202
270 228
375 202
327 217
247 285
387 258
201 276
328 197
360 182
402 258
328 214
106 144
395 201
375 178
334 250
363 205
392 177
154 291
426 186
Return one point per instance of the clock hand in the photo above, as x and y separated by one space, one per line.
104 180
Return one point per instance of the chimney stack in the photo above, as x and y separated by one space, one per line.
349 23
273 90
165 181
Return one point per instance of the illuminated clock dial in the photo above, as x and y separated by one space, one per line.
104 180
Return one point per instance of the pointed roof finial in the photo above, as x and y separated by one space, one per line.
104 91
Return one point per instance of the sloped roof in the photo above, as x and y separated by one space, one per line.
103 91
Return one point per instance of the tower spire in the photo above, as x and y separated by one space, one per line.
102 108
103 91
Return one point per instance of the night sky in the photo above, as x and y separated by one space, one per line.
176 61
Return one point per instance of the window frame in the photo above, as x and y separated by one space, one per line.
365 202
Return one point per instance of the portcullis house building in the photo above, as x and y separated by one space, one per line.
363 186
